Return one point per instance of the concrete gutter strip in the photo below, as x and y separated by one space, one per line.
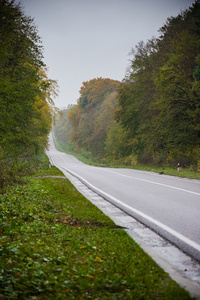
181 268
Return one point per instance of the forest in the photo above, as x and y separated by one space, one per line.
26 94
152 117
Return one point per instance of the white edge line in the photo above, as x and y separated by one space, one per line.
145 180
162 184
168 229
163 226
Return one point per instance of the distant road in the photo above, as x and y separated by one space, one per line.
167 204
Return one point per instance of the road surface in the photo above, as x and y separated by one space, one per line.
168 205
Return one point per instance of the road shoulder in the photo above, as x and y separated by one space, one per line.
181 268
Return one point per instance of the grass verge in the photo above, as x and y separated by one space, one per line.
55 244
185 173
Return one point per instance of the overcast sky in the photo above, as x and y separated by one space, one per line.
86 39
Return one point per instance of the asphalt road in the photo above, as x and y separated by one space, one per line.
167 204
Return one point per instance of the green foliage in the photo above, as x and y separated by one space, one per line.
21 57
55 244
15 169
176 98
63 129
93 92
86 124
117 146
26 105
159 99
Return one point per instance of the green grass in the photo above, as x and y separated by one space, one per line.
55 244
183 172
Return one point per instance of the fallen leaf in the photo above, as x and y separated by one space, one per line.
98 259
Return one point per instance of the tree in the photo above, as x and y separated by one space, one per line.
20 61
159 99
136 95
87 117
24 86
44 111
63 129
177 97
103 121
26 104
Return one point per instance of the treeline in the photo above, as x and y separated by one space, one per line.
84 127
153 116
26 104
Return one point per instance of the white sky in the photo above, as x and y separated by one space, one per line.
86 39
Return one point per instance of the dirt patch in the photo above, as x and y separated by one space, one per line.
84 223
51 176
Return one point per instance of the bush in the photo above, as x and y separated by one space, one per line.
70 147
184 158
87 154
14 169
146 158
159 159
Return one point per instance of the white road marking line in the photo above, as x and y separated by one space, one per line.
149 181
71 156
154 182
161 225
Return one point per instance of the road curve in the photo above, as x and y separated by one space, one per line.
168 205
